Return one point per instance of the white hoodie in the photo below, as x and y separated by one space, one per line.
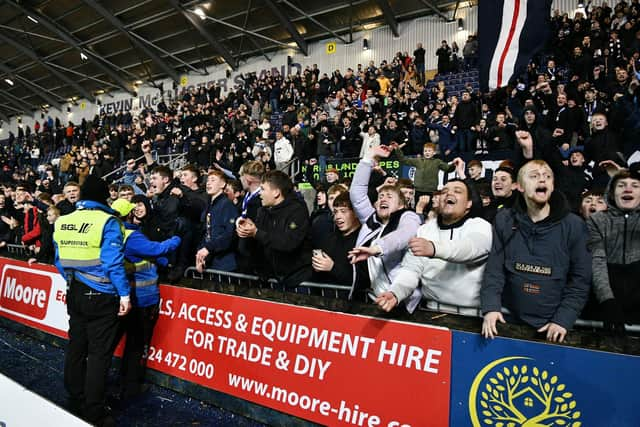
454 274
283 151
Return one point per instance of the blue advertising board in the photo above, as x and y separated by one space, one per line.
514 383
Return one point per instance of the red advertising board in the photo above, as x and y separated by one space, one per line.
331 368
34 296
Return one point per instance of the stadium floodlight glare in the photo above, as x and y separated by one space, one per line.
580 5
198 11
9 82
83 56
32 19
138 82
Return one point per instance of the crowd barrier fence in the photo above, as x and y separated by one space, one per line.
327 290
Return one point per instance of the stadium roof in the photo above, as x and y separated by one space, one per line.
56 50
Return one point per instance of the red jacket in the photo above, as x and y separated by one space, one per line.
32 230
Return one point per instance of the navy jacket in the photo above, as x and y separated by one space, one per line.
540 271
220 223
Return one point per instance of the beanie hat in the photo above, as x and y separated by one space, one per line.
95 189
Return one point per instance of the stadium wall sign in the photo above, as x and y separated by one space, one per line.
152 97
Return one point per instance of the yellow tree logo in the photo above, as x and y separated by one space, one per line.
509 393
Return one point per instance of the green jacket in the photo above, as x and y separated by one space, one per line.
426 175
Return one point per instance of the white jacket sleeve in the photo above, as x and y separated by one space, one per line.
408 277
473 248
288 151
358 192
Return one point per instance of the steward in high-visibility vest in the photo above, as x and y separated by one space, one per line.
89 253
89 247
141 256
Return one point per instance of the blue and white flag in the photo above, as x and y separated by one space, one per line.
510 32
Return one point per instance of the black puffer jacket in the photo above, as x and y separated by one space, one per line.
284 242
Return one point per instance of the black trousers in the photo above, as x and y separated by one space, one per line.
93 324
138 325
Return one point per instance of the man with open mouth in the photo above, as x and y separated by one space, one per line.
386 229
615 242
539 267
448 255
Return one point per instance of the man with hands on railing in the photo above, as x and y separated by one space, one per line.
539 266
615 242
448 255
217 250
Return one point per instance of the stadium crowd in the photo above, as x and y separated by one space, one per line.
553 224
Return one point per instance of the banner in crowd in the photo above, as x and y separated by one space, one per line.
34 296
327 367
512 382
347 167
510 33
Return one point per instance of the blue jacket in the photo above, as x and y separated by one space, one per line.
220 224
111 255
446 140
137 248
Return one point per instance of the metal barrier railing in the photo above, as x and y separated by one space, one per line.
291 168
115 172
327 290
174 161
430 305
597 324
17 250
218 276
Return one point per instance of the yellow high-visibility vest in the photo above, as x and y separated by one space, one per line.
79 238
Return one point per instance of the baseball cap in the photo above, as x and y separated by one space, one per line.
122 206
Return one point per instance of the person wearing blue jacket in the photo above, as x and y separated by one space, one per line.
447 139
217 248
141 256
89 254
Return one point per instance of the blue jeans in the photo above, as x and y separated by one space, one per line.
465 140
275 105
322 162
420 70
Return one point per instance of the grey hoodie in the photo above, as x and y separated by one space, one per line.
614 239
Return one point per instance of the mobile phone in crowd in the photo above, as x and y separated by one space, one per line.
372 296
317 252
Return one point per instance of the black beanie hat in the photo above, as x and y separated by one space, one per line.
95 189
